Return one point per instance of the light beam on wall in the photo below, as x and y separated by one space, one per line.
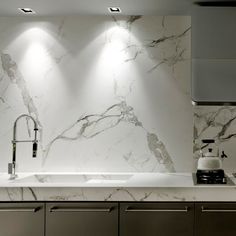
36 51
36 55
110 73
36 60
114 53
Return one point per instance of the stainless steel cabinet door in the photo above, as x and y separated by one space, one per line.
215 219
82 219
156 219
21 219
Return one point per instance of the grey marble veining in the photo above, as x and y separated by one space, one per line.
172 39
115 114
15 77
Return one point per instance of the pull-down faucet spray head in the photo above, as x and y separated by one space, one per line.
35 148
12 166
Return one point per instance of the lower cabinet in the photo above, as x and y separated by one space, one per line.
117 219
156 219
22 219
215 219
82 219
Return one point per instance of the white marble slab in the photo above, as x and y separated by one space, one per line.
108 93
111 187
106 179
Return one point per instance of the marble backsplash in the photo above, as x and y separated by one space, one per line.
219 123
108 93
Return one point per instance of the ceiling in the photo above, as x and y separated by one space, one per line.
98 7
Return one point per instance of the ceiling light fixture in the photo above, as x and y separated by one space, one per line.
27 10
114 9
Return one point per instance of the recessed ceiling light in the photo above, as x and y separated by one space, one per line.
27 10
114 9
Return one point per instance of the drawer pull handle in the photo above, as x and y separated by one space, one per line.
217 210
19 209
62 209
129 209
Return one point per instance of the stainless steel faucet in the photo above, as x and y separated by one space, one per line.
12 166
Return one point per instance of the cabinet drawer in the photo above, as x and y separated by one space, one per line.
90 219
215 219
152 219
22 219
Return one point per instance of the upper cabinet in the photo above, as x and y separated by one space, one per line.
213 55
214 33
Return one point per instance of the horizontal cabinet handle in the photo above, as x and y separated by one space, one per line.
129 209
217 210
74 209
20 209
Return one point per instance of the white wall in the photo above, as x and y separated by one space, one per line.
109 94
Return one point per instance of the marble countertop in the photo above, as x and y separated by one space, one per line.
111 187
110 180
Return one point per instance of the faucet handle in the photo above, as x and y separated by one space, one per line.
11 168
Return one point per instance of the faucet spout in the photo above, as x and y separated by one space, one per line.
15 126
12 165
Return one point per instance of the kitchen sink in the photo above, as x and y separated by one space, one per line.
71 179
